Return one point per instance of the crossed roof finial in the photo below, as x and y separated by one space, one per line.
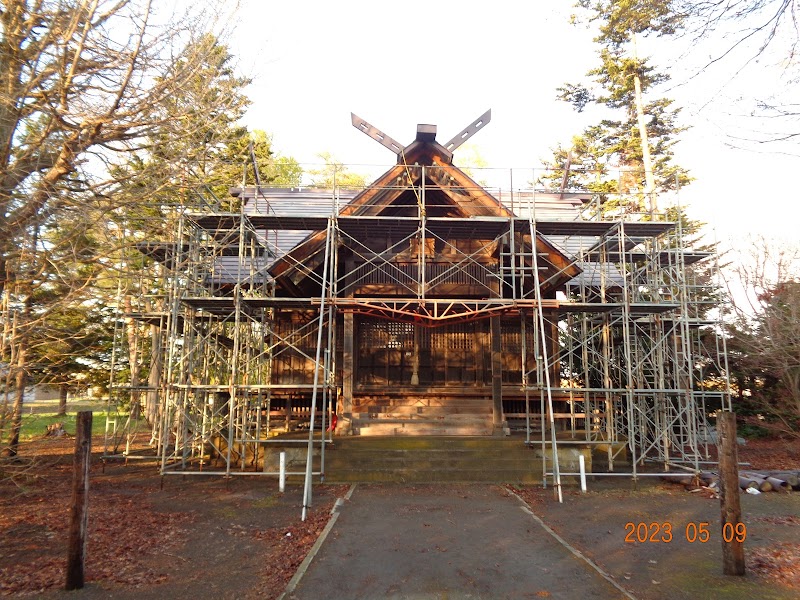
424 132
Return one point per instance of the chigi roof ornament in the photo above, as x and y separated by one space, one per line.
425 133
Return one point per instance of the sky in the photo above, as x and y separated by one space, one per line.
403 63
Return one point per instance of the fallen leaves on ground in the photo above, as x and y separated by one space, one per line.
290 545
778 520
120 540
771 454
779 562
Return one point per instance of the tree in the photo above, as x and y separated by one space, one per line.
470 160
71 349
764 333
761 22
627 160
189 163
762 32
82 81
335 174
49 307
640 143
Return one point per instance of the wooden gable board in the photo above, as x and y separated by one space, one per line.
467 197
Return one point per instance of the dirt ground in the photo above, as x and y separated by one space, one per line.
192 536
598 522
669 566
204 537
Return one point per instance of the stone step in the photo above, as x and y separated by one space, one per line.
432 463
422 423
432 459
405 409
471 406
435 417
408 430
401 427
426 392
434 476
352 443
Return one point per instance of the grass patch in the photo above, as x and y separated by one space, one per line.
35 425
266 502
226 512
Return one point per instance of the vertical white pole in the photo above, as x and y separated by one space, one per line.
582 467
325 291
282 475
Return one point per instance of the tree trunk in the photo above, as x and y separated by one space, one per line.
63 389
650 182
8 351
21 341
154 378
133 359
19 383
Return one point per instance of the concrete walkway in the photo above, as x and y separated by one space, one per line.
444 541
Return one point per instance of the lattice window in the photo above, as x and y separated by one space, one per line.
453 337
459 338
387 335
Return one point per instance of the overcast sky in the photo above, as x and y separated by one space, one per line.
403 63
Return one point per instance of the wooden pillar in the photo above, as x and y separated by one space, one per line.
733 531
551 335
348 368
79 512
497 376
415 356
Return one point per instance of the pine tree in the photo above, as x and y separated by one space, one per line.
74 101
610 157
190 164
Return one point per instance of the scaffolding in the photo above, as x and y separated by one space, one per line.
251 336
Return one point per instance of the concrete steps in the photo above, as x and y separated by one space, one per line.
431 460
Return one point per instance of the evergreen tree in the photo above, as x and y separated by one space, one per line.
627 159
189 164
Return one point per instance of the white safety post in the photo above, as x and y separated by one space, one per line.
582 468
282 475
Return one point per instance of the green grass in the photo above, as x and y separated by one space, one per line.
35 425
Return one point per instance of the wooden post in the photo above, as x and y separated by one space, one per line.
79 513
497 375
732 549
415 357
348 366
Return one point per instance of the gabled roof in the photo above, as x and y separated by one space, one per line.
447 186
397 196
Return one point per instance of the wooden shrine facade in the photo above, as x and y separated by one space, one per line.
432 281
423 303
